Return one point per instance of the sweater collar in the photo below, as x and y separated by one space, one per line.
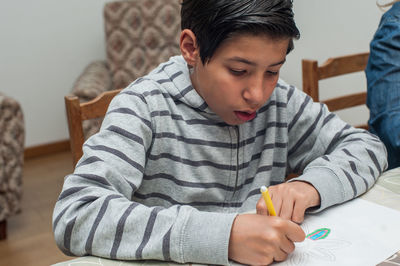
183 89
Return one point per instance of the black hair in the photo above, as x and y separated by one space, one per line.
213 21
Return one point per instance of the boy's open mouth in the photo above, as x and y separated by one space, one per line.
245 116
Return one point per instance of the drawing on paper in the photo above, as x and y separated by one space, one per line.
319 234
317 246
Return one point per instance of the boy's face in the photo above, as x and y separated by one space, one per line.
241 76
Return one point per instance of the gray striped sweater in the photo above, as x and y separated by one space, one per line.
165 176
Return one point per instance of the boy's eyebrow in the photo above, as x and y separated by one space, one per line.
245 61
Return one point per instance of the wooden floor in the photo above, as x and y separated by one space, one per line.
30 239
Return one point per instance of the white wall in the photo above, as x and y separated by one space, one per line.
332 28
45 44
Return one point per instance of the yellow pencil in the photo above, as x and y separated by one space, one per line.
268 201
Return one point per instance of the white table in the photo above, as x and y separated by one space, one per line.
385 192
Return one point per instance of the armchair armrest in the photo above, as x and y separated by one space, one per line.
95 79
12 138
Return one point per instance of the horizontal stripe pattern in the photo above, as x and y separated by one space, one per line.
128 111
163 157
172 201
90 160
117 153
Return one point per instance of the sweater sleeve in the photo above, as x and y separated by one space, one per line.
340 161
96 215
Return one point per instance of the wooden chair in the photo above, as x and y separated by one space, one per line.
78 112
335 66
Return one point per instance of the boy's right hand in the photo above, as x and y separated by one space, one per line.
259 239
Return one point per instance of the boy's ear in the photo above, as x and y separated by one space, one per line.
189 47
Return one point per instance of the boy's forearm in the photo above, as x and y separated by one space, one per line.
114 227
340 161
347 171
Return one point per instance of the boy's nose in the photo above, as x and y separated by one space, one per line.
254 95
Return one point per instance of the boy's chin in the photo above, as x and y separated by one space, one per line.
235 122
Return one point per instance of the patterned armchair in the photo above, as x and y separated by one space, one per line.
12 136
140 34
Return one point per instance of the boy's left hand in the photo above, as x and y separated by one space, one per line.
291 200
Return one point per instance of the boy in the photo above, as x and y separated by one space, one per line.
183 151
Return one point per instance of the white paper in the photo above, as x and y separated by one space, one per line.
361 233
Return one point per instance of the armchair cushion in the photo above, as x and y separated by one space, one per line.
139 36
95 79
12 137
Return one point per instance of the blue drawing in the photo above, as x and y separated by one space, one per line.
319 234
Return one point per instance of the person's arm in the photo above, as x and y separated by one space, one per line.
95 213
383 82
339 161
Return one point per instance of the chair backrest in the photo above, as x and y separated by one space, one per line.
78 112
335 66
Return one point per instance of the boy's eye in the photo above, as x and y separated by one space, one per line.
272 73
237 72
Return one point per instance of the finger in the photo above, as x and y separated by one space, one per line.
280 255
287 208
287 245
267 260
298 212
277 202
261 207
295 233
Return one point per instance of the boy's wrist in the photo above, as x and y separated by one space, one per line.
326 183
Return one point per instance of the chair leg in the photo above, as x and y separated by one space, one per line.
3 229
